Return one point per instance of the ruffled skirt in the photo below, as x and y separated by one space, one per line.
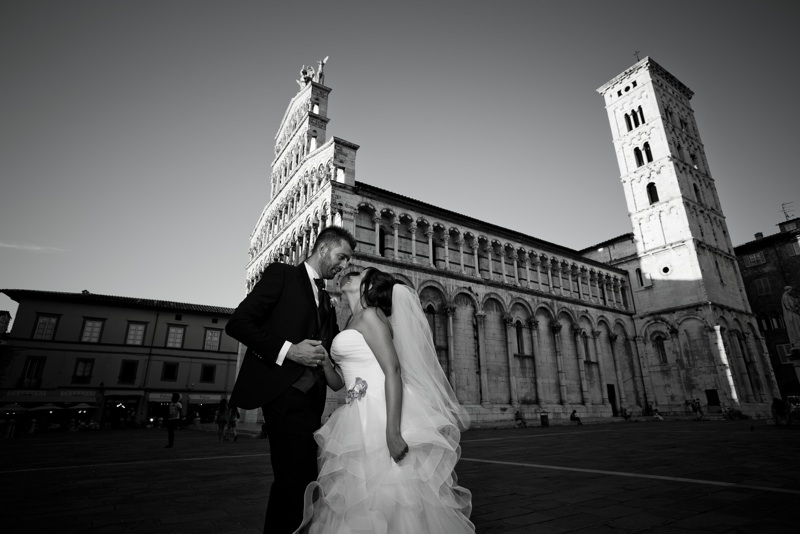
360 489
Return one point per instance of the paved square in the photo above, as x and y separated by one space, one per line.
688 477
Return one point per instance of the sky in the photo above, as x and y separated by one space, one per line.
136 137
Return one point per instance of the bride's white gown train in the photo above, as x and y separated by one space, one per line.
360 488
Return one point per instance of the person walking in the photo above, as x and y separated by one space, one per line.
221 418
174 419
233 417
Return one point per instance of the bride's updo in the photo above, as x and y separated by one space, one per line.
376 289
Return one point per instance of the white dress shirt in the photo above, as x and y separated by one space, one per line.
312 275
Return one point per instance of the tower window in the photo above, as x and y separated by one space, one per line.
652 193
637 153
635 119
520 342
697 195
639 277
661 352
628 122
648 154
641 114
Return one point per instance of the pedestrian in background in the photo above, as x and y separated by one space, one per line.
574 417
174 419
233 417
221 418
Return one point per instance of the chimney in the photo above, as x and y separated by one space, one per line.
759 235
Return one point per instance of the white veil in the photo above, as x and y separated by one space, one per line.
420 368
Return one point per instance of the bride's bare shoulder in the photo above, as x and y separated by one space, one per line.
376 320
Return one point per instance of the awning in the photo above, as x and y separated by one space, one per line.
204 397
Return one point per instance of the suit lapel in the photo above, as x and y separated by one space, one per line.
305 282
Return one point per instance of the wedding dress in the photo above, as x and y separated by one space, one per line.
360 489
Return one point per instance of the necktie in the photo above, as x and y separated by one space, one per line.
320 282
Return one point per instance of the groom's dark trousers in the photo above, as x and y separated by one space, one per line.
281 307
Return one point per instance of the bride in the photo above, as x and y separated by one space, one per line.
386 458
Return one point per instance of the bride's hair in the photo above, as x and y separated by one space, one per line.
376 289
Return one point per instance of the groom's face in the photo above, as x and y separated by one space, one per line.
334 258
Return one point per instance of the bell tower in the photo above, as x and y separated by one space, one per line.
684 253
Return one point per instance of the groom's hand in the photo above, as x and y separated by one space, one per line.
308 352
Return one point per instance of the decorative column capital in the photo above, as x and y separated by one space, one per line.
412 228
508 319
596 333
613 337
532 323
555 326
428 233
376 219
577 331
449 310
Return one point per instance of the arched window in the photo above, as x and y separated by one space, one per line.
628 122
641 114
520 338
637 153
652 193
635 118
381 242
639 277
681 154
647 153
697 195
658 345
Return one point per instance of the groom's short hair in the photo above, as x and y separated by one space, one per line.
332 236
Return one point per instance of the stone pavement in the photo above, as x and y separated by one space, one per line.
681 476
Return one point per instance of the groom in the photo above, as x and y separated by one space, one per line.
287 325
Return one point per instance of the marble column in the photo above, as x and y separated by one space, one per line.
474 246
555 326
516 267
377 221
446 243
512 368
489 256
429 235
412 228
536 262
723 366
533 327
601 372
451 348
577 335
528 271
503 263
481 317
461 254
743 371
396 232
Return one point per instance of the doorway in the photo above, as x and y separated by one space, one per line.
612 398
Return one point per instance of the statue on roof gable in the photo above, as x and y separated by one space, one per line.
308 74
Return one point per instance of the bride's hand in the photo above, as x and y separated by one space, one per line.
398 448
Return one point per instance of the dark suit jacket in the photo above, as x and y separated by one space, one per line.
280 308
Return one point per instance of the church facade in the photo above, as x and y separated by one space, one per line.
644 321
